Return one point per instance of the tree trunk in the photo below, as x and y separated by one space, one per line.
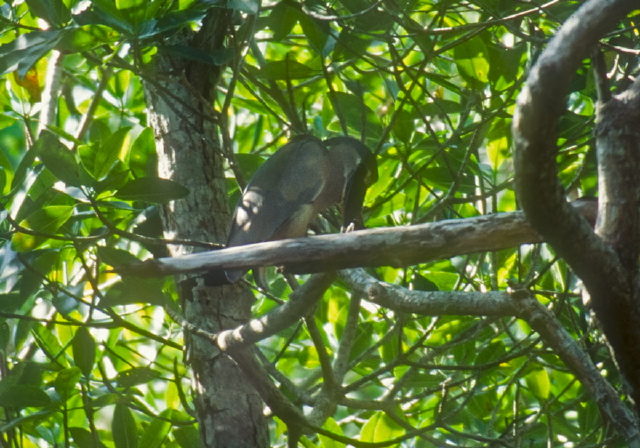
229 410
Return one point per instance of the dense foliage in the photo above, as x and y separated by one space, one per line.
90 359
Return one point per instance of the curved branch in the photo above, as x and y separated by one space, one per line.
521 304
539 107
606 262
578 360
300 304
429 303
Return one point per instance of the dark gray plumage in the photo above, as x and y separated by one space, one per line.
300 180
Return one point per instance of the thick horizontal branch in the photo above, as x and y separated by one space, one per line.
395 246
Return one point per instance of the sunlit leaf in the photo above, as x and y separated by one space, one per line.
44 221
380 428
60 160
327 442
99 159
83 438
471 59
55 12
85 38
21 54
538 382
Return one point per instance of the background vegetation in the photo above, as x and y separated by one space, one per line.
90 359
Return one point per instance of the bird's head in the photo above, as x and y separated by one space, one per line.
359 169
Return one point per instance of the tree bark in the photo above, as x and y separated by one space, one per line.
606 264
618 224
178 94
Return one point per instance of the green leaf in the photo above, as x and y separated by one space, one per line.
46 220
87 37
539 384
287 69
134 290
188 437
84 350
380 428
404 125
215 58
59 159
350 43
249 163
49 344
45 262
355 113
32 419
391 348
124 428
157 430
152 189
11 302
317 33
19 396
104 12
66 381
65 302
327 442
55 12
471 58
129 4
248 6
100 158
143 158
21 54
178 19
283 18
105 400
116 257
135 376
83 438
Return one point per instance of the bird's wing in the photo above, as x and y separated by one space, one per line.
281 190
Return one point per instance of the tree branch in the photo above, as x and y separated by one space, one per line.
567 349
607 266
397 246
429 303
301 303
540 104
618 144
521 304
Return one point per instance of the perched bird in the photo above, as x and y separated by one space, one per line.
290 189
359 172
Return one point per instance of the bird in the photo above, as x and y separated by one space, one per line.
303 178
